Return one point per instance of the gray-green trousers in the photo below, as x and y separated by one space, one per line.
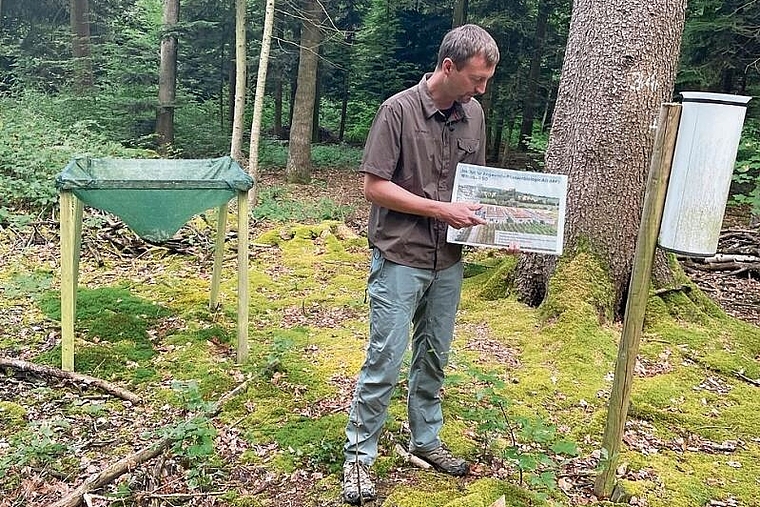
402 298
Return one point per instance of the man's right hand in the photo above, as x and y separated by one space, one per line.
460 214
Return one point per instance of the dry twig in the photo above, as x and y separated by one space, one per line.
70 376
131 462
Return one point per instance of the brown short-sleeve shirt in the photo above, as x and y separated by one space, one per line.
414 145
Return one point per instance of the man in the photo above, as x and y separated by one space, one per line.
416 140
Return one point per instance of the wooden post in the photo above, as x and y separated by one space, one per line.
216 274
638 293
71 218
242 331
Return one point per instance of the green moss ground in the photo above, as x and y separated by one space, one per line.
148 324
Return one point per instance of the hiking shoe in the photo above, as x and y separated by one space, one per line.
443 461
357 485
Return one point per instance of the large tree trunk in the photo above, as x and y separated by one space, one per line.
620 65
80 42
298 169
236 147
167 77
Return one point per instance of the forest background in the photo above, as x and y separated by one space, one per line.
58 100
370 50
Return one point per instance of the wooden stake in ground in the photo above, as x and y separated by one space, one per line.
638 293
70 376
131 462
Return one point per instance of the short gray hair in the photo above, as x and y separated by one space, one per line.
463 42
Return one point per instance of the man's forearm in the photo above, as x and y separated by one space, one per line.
389 195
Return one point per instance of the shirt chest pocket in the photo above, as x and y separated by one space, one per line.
467 148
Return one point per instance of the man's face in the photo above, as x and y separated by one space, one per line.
470 80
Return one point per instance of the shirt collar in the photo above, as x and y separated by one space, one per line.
430 109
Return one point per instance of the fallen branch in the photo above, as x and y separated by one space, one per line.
130 462
70 376
411 458
114 471
733 267
754 382
719 258
185 496
667 290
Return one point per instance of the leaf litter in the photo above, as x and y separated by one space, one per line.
96 427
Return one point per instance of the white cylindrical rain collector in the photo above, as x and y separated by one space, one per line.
700 177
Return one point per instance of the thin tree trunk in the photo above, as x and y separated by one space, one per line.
460 13
534 75
507 142
343 107
167 77
498 131
80 42
315 138
236 148
486 101
294 79
551 95
258 101
277 128
298 169
277 78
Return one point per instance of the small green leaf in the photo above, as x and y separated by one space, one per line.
565 447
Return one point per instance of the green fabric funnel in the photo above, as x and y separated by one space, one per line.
154 197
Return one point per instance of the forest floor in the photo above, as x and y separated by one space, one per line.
279 444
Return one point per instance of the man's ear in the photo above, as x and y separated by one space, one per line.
448 65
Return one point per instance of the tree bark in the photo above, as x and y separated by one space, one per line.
241 72
79 17
620 65
298 169
167 77
258 101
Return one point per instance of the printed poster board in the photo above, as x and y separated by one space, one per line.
523 210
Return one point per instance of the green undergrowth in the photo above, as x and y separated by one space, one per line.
526 386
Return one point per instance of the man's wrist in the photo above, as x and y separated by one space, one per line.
438 207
